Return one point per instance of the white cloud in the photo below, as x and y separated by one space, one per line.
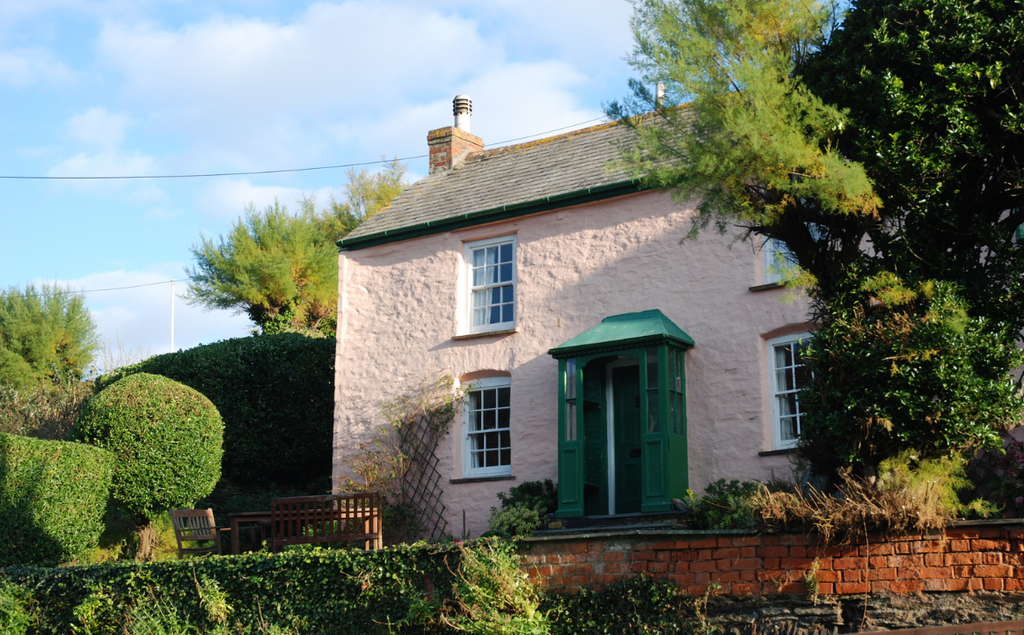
355 55
137 319
373 76
106 163
23 67
544 100
227 199
113 162
98 128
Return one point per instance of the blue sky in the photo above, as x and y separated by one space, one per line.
136 87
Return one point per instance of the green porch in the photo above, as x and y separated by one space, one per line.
622 417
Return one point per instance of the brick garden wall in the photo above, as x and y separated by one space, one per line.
966 557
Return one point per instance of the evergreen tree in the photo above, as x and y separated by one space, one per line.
281 269
46 333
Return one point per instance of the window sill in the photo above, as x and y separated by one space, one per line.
766 287
469 336
482 479
776 452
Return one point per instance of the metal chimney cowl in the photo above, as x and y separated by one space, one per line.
462 107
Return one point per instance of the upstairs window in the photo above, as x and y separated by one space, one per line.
779 262
492 284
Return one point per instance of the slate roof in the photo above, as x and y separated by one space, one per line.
495 180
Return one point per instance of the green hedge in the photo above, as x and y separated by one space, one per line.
276 395
305 591
52 498
476 587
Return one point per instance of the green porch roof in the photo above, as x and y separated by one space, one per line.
625 331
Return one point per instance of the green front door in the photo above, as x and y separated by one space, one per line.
628 449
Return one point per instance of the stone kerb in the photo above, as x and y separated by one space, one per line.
970 556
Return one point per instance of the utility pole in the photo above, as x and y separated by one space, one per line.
172 316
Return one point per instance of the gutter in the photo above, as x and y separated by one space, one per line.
505 212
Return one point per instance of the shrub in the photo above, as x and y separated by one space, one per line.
514 521
724 505
276 395
1008 489
52 498
919 372
541 496
640 604
166 439
490 595
14 619
523 509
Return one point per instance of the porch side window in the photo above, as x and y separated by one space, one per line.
488 440
676 395
653 411
570 399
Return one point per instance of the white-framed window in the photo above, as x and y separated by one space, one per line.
491 297
787 374
779 262
487 443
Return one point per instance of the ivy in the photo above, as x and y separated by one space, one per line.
312 590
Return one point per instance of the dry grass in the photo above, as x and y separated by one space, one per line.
909 496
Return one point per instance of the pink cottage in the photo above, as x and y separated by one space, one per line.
601 350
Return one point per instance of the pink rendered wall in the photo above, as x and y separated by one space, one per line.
398 307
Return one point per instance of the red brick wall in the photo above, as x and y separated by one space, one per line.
966 558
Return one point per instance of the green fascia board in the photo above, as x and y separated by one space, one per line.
505 212
624 331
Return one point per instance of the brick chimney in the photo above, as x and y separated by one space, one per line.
450 146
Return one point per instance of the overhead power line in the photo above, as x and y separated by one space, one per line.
14 177
200 176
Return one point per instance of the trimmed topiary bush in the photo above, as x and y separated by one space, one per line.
52 498
167 441
276 394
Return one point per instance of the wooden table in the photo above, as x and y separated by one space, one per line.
253 520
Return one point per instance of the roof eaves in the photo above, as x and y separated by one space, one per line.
481 217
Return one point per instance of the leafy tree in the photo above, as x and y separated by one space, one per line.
934 97
369 192
167 442
46 332
885 154
281 269
272 265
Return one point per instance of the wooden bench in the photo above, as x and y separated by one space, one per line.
196 525
322 519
